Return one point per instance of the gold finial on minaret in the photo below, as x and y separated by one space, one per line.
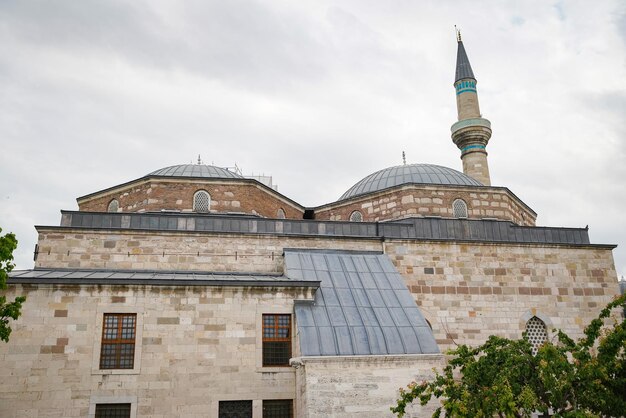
458 33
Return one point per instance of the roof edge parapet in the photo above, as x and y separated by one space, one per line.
439 229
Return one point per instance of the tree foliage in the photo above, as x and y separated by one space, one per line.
10 310
502 377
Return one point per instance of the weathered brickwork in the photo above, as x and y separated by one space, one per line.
360 386
226 196
413 200
198 345
178 251
470 291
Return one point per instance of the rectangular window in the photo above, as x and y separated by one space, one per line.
117 350
276 339
235 409
113 410
278 408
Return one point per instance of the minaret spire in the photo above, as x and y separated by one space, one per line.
472 132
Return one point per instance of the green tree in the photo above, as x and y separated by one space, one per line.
502 377
11 310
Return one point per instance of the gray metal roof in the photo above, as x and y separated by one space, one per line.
163 278
463 67
440 229
362 306
407 174
195 170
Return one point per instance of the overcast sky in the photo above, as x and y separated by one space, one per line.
317 94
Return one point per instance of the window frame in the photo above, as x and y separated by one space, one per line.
539 322
97 344
356 213
96 400
465 208
119 341
251 402
117 207
195 195
276 339
104 405
291 406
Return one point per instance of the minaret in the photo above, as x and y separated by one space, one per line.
471 133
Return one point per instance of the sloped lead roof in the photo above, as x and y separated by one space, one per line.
195 170
463 67
409 174
156 278
362 306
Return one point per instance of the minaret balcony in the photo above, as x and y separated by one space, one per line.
466 123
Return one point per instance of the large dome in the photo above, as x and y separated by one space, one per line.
409 174
196 170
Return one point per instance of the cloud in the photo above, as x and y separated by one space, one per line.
316 94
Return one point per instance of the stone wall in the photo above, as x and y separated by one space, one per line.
467 291
414 200
226 196
196 346
470 291
359 386
157 250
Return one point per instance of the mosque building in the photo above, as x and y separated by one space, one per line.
194 291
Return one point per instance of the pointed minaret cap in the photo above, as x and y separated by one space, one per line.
463 67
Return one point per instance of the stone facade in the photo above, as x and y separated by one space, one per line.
62 247
467 291
360 386
195 346
425 200
470 291
152 194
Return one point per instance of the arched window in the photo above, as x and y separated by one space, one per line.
114 206
201 201
459 207
356 216
536 333
280 214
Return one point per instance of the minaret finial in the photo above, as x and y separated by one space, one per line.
458 33
199 160
403 158
472 132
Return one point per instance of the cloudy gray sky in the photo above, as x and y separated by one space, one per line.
317 94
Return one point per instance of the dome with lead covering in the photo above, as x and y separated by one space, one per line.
409 174
196 170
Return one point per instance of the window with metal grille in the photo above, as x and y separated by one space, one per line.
280 214
276 339
356 216
235 409
536 333
114 205
117 350
113 410
460 208
282 408
201 201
